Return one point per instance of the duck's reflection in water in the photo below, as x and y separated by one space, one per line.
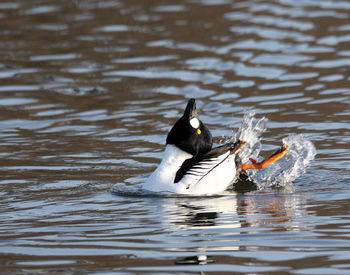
209 226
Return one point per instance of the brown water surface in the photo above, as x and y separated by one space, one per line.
89 90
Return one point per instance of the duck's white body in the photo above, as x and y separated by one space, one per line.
162 179
209 176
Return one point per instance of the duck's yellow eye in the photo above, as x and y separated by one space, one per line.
199 131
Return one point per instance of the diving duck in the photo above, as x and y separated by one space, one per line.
190 165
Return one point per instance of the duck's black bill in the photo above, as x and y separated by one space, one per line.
190 111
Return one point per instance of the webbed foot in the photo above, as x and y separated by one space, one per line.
280 153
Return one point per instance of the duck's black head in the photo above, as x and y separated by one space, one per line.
189 133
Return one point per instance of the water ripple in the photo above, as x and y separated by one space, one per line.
161 73
88 93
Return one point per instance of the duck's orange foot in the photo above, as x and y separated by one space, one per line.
261 165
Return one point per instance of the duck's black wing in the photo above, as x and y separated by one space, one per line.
202 165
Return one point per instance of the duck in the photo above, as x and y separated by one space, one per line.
190 165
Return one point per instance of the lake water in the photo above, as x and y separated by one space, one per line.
88 92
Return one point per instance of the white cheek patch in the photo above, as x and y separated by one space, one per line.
194 122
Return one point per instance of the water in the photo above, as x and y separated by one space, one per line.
89 90
300 153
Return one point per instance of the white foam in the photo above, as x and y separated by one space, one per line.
250 131
300 153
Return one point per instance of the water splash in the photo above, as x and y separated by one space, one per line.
300 153
250 131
